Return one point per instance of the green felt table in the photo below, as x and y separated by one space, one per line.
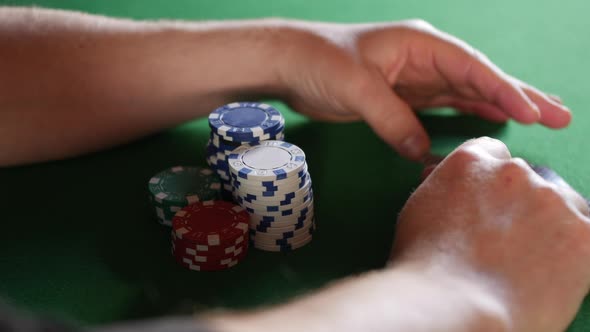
79 240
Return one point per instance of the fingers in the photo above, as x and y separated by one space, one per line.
389 116
555 98
482 109
471 74
472 77
469 70
553 113
497 89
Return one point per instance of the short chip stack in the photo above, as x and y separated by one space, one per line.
177 187
271 181
210 236
236 124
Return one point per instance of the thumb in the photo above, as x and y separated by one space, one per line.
390 117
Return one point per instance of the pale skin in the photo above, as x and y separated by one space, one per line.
472 261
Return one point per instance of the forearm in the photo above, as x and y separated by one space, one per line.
73 83
400 299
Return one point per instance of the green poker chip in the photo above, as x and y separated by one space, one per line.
164 213
176 187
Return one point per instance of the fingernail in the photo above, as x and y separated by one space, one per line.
414 147
556 98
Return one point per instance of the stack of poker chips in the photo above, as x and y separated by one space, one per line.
271 181
210 235
174 188
239 124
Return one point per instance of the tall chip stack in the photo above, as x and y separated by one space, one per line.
271 181
238 124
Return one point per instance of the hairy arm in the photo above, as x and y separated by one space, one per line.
404 298
408 297
73 83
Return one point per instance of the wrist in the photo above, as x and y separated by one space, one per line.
231 59
407 297
469 301
289 47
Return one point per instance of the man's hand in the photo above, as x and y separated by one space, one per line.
126 79
381 72
485 216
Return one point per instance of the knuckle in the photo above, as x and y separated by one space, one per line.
525 165
487 138
548 196
420 24
363 84
483 140
463 157
489 147
515 168
360 85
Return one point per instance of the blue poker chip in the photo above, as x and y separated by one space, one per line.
223 149
218 159
211 150
276 135
246 121
221 143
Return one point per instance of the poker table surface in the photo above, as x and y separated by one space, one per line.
79 240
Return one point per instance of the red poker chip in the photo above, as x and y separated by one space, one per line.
189 263
200 249
233 251
208 261
210 223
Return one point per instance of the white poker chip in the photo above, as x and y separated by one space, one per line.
266 161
